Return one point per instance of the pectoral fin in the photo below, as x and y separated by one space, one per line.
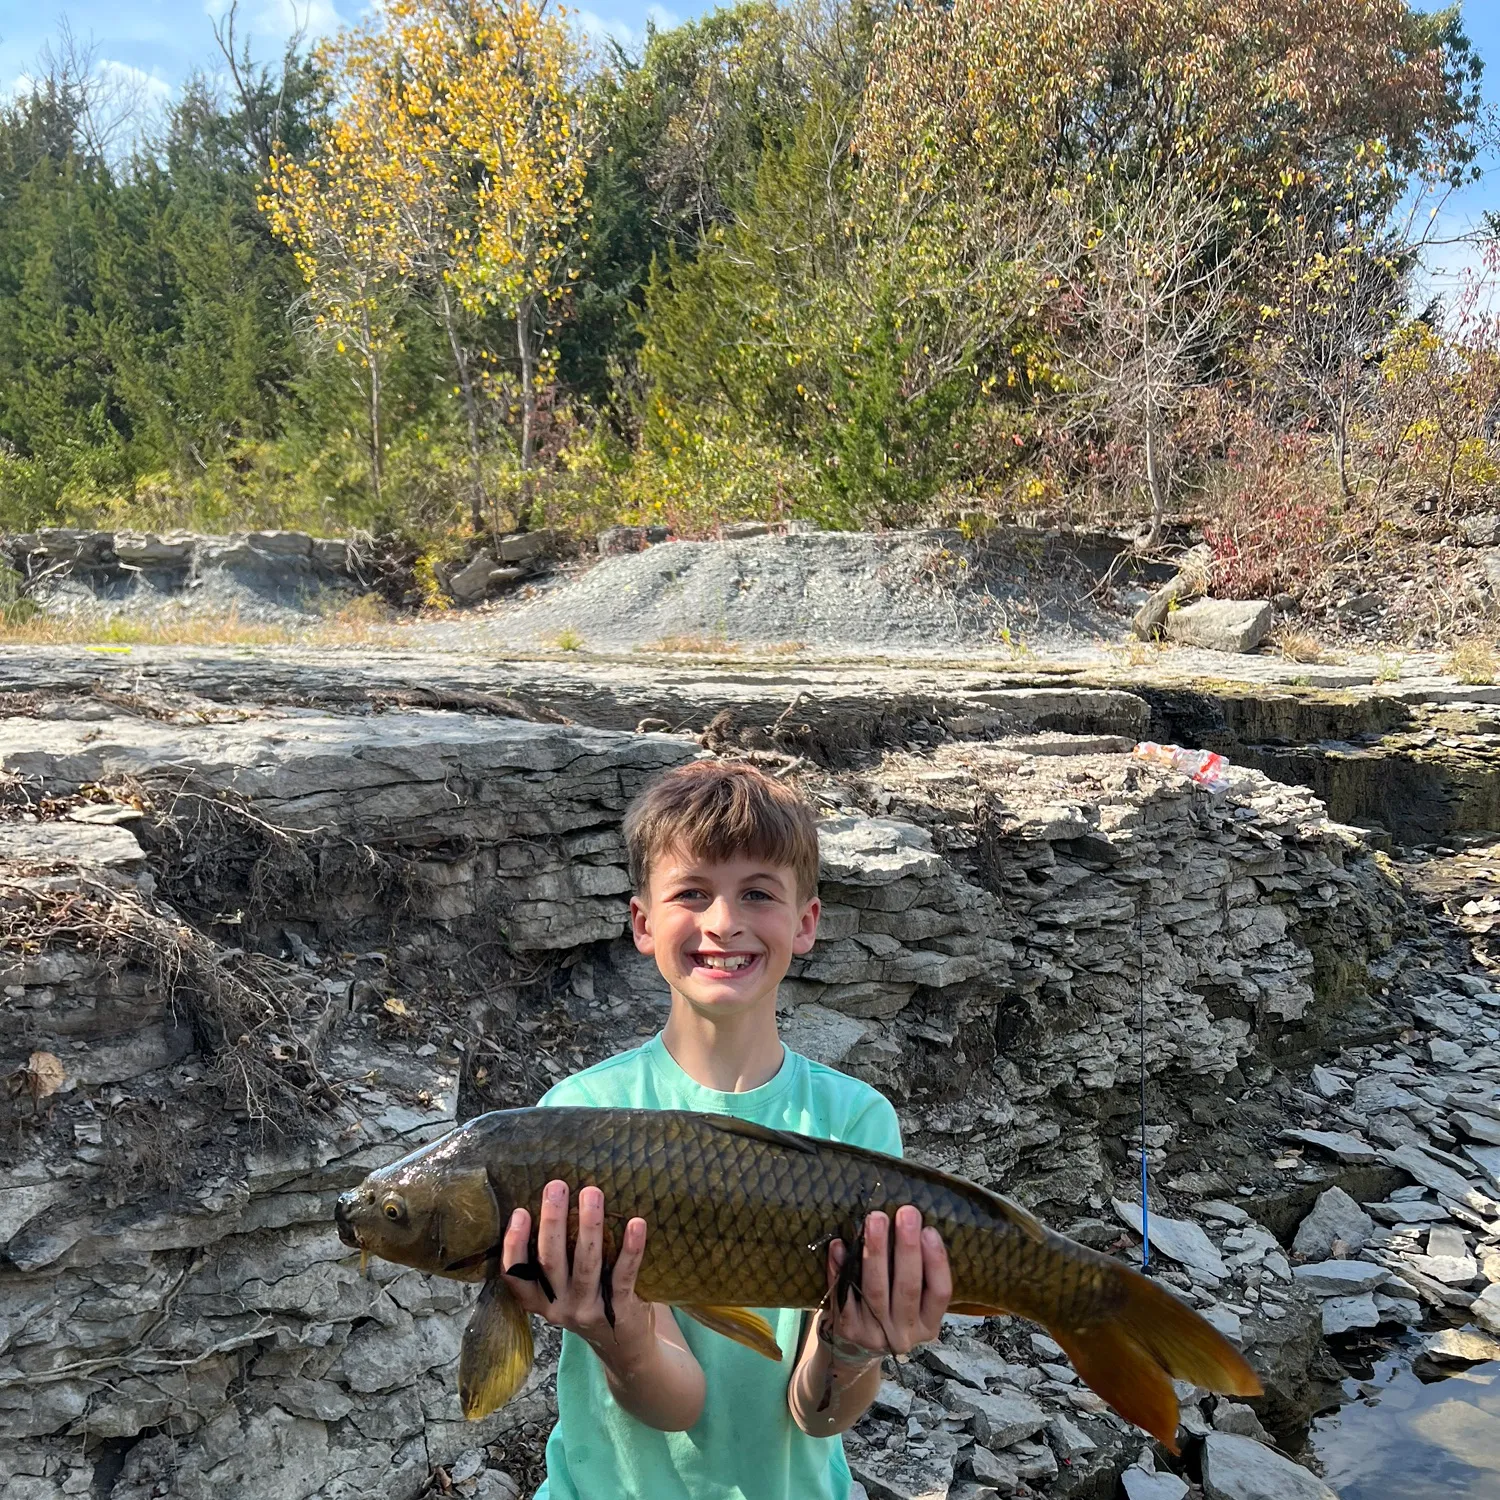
741 1325
495 1356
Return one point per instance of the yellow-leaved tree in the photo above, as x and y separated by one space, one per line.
516 109
344 213
450 165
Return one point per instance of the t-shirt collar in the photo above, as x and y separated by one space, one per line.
746 1103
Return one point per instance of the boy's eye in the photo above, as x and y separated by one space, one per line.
691 893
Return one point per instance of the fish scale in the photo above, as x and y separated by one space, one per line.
769 1202
739 1216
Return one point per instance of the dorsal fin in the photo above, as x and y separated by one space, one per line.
754 1132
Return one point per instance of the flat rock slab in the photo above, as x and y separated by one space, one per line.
1239 1468
1139 1485
1461 1346
1486 1308
1002 1470
1328 1084
1375 1095
1345 1314
1419 1165
1410 1212
826 1036
1477 1127
1339 1278
1337 1143
965 1360
1236 625
1178 1239
998 1420
101 845
1487 1159
1225 1213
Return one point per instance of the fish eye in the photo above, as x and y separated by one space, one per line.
393 1209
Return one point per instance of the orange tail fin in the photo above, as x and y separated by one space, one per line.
1152 1339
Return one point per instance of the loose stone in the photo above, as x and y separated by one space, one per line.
1239 1468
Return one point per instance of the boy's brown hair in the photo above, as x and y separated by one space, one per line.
722 810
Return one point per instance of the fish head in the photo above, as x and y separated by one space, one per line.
430 1210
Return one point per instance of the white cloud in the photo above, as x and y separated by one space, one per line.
152 88
276 20
598 29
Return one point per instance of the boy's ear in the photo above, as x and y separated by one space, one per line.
640 927
807 927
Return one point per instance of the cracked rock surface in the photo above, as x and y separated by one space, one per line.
426 911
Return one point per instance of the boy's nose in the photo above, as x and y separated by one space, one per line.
721 916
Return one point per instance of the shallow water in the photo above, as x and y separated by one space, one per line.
1438 1441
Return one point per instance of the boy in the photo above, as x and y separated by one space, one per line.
724 862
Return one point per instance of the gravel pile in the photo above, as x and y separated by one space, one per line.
905 591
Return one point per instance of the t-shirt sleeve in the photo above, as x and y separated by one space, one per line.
874 1126
566 1091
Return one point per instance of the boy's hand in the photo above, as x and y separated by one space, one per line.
899 1308
577 1303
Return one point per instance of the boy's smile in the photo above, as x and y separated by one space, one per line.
723 933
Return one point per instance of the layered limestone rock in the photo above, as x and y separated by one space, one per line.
176 1314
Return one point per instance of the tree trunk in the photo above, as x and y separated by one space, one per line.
1154 483
1341 446
372 362
525 346
477 495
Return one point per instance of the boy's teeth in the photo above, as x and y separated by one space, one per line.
710 962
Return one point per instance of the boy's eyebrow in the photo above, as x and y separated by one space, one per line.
770 873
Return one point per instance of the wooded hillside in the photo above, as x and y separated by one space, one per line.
862 264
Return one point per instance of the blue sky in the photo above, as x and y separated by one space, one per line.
167 39
159 42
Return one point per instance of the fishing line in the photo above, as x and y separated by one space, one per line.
1140 945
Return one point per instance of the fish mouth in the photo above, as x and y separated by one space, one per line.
345 1225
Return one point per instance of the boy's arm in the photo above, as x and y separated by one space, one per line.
650 1369
899 1307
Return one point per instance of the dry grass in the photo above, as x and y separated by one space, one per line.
1473 663
237 1004
1298 645
367 620
698 645
1138 653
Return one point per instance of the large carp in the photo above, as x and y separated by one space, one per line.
739 1216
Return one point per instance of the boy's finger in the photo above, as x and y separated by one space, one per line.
875 1269
588 1253
552 1235
628 1263
835 1262
906 1284
937 1283
515 1250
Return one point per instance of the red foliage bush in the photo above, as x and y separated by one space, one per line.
1277 520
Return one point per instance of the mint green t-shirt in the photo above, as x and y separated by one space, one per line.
745 1446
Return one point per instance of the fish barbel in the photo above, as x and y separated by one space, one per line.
740 1216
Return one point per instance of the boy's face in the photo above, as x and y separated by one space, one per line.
722 934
